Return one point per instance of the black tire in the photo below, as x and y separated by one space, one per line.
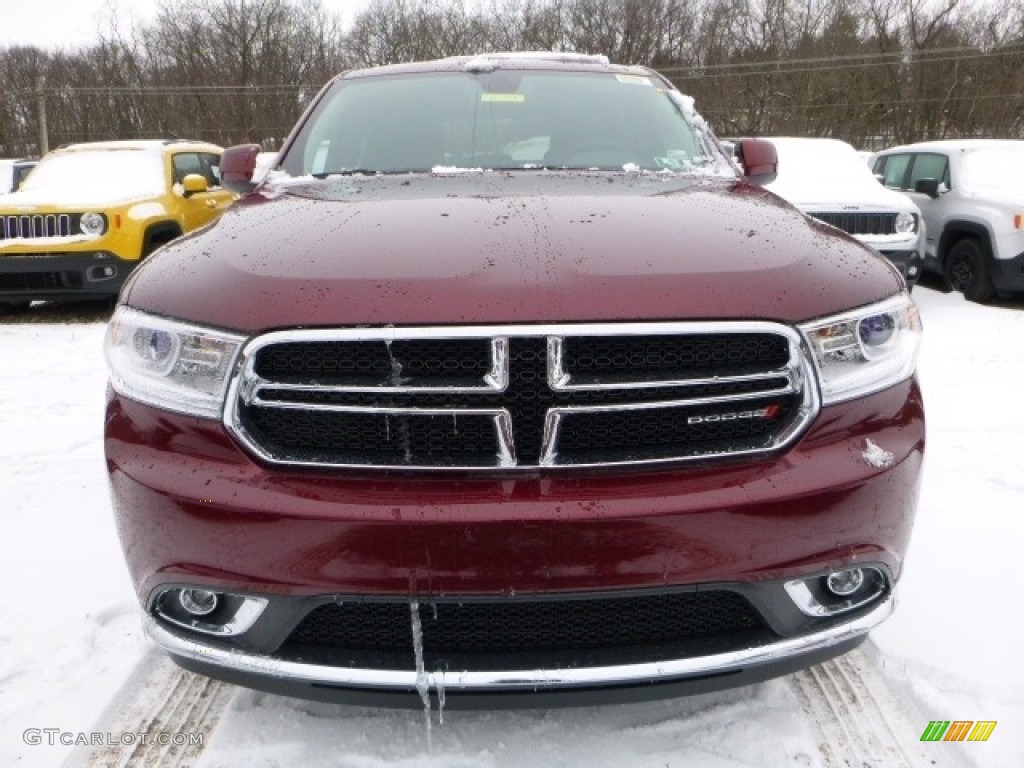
967 270
154 239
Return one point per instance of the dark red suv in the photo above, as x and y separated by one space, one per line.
506 380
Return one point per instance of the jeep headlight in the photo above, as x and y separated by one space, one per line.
905 222
866 350
168 363
92 223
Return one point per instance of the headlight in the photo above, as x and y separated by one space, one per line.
866 350
92 223
905 222
170 364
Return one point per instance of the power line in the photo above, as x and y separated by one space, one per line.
861 105
858 59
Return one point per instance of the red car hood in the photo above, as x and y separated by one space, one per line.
503 248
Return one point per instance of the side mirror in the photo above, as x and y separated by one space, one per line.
880 178
237 166
759 160
928 187
193 184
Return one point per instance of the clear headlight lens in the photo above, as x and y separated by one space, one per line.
905 222
92 223
168 363
866 350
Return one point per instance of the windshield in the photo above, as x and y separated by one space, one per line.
123 174
1000 169
503 119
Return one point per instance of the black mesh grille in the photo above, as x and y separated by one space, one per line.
516 628
655 433
673 357
860 223
39 225
359 438
373 363
39 281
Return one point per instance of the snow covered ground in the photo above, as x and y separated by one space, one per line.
70 636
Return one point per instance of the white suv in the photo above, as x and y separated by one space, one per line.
829 181
971 193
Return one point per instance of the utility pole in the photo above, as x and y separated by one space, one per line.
44 143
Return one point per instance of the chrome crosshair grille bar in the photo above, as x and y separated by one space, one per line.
521 397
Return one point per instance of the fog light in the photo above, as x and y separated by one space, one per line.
198 602
843 583
839 591
211 613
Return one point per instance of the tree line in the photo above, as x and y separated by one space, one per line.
871 72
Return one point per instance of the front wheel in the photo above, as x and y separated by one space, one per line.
967 271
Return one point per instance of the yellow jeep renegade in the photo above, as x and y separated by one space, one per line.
89 213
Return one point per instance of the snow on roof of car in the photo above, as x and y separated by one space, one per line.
947 145
816 160
821 170
154 144
488 62
94 176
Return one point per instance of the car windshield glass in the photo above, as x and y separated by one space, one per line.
993 169
122 174
504 119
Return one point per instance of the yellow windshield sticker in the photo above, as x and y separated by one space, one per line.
512 98
634 79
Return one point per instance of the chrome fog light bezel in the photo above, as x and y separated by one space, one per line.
813 596
232 614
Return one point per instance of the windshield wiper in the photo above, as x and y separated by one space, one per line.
351 172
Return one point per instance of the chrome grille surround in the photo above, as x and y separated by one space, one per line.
320 399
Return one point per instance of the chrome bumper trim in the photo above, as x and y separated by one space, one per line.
519 679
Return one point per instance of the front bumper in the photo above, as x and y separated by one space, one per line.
193 508
62 276
1008 274
513 687
909 264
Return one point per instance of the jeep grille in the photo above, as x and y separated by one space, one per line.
860 223
522 396
37 225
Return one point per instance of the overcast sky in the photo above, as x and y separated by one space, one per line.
76 23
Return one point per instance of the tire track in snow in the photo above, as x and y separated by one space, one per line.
160 698
859 721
